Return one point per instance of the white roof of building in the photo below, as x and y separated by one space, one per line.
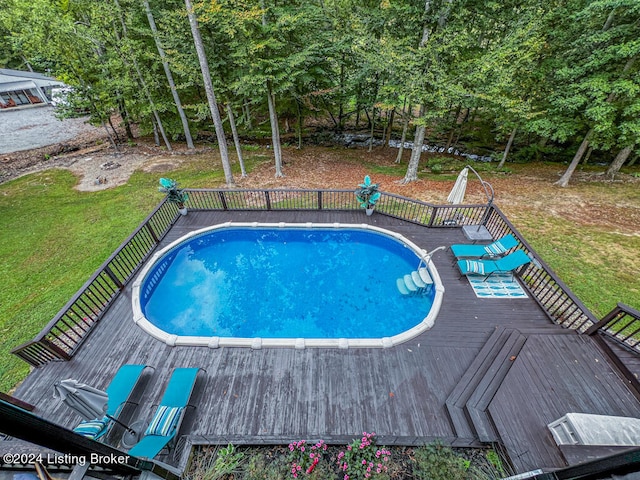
19 80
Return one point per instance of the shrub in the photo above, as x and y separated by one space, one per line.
438 462
362 459
304 458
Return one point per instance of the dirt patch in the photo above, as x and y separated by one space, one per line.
529 189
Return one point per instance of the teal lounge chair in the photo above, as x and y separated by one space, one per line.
163 428
495 249
489 267
119 391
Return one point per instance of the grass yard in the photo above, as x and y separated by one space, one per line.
54 237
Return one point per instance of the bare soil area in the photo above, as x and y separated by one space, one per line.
528 189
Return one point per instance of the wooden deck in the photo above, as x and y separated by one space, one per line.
490 370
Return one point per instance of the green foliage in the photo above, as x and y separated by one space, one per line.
227 461
174 194
495 460
305 458
363 459
53 261
436 168
438 462
553 70
367 193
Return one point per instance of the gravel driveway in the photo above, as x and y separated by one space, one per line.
36 127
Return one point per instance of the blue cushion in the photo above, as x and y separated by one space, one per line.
164 421
92 428
475 267
495 249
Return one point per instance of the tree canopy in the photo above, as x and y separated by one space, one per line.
560 75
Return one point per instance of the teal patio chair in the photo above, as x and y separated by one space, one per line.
495 249
488 267
164 426
119 392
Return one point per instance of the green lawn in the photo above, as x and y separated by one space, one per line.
54 237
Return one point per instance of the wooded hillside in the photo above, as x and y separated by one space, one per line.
555 79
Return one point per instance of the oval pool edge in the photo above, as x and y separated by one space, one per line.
298 343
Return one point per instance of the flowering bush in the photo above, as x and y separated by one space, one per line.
304 458
362 459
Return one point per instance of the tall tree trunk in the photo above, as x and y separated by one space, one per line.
416 151
156 137
564 180
247 115
412 168
275 131
26 62
211 97
111 140
154 110
392 117
587 156
143 83
299 123
506 150
454 128
406 116
618 162
167 71
125 118
236 139
372 121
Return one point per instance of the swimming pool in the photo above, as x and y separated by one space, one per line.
285 285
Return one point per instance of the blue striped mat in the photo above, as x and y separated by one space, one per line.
502 285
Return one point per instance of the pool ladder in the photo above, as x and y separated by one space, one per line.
419 281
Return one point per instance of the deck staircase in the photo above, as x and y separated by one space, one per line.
417 282
468 403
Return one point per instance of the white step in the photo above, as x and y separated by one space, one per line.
408 281
402 287
425 276
415 276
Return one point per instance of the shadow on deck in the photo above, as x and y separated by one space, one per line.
490 371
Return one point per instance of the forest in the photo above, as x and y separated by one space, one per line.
526 80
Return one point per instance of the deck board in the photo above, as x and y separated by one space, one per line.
280 395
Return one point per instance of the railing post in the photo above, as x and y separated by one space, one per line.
17 402
319 199
433 216
113 277
223 200
152 232
55 349
606 319
267 199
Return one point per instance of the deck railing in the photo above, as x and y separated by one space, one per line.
621 324
62 336
60 339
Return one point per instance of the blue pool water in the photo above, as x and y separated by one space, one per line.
283 283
